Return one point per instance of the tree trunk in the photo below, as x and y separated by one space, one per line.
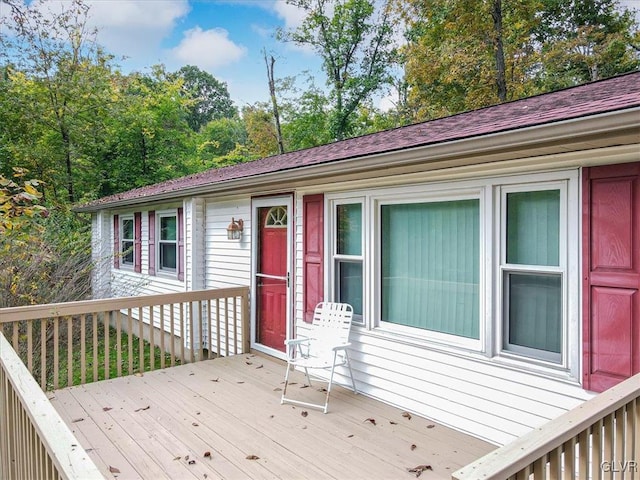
274 103
66 142
501 77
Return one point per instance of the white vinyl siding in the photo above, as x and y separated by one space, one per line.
227 262
471 384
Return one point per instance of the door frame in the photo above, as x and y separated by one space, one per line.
256 203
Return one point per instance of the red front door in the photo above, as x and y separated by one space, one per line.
272 276
611 268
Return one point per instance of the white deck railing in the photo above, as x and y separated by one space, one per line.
599 439
35 442
69 343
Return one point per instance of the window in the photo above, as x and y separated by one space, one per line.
168 242
532 273
486 265
127 240
430 266
348 256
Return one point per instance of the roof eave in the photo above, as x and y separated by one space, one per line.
608 122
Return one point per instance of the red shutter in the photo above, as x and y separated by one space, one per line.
313 253
152 242
611 268
180 258
116 241
137 242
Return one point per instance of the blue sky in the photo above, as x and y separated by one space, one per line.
223 37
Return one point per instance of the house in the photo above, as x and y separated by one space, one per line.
492 257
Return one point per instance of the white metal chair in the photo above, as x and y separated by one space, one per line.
324 347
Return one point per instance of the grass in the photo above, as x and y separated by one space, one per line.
102 354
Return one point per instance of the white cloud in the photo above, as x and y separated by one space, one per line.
292 15
207 49
134 28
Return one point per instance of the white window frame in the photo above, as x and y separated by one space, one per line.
159 268
489 190
504 347
123 264
420 195
336 258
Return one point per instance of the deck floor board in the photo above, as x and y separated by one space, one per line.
153 425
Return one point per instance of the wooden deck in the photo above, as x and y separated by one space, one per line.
223 419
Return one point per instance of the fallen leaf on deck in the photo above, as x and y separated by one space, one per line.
419 469
186 458
113 469
106 409
350 436
138 374
304 386
240 382
371 420
413 446
253 457
192 462
143 408
406 415
277 389
322 389
217 379
77 420
304 413
430 426
392 422
176 458
191 374
249 363
195 424
259 366
207 455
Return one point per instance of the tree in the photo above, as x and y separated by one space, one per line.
466 54
586 40
356 48
218 138
45 254
270 62
148 138
211 97
262 138
61 80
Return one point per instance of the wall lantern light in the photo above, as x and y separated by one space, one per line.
234 230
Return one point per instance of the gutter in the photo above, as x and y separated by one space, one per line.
576 129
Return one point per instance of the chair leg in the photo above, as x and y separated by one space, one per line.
333 368
306 372
353 382
286 382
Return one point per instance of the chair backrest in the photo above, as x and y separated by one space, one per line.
331 325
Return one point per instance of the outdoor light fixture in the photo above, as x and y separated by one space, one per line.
234 230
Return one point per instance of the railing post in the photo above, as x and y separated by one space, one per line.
246 322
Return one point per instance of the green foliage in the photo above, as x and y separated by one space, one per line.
219 138
211 97
466 54
356 47
585 41
45 255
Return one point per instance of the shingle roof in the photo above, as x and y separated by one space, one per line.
617 93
